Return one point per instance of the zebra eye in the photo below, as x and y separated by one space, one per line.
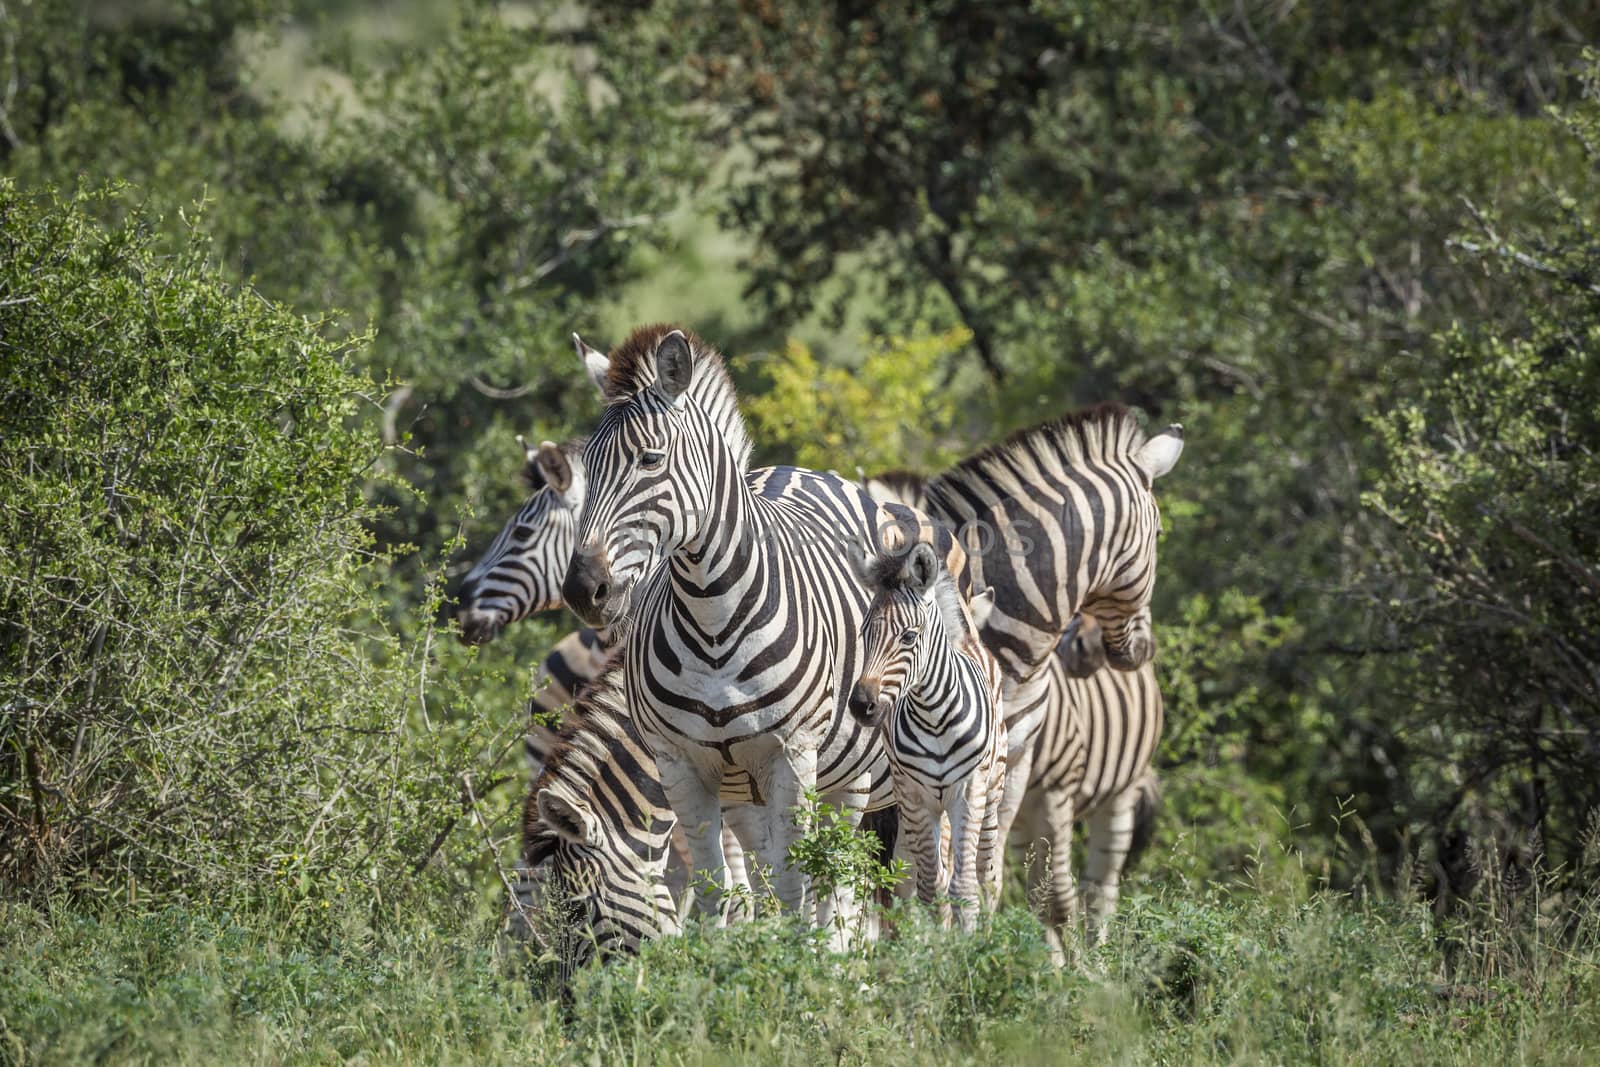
651 459
909 637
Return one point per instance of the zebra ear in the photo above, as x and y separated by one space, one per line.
674 366
982 606
922 567
596 363
1160 454
569 821
554 466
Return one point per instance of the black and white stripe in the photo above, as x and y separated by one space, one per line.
1092 764
521 572
596 828
1059 519
743 642
1095 733
932 688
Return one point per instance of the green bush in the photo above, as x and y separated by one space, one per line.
196 697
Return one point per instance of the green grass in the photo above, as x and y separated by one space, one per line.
1191 975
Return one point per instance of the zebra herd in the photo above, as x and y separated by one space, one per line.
922 654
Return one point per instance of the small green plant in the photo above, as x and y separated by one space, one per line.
836 855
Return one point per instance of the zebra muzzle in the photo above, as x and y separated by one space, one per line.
867 703
589 590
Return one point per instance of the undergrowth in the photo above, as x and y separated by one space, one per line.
1251 972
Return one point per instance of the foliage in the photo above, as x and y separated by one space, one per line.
1490 481
834 854
190 702
1191 973
891 411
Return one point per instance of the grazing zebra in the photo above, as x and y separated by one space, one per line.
595 833
1096 735
745 638
934 691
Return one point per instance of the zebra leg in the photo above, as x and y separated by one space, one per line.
991 853
1062 899
966 819
695 801
920 826
680 868
1019 765
1110 836
785 781
740 832
839 911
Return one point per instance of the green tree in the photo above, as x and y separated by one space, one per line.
1491 484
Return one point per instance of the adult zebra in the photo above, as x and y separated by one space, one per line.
743 642
521 574
595 833
1092 751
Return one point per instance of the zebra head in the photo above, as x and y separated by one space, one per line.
1121 601
521 573
595 835
671 433
915 613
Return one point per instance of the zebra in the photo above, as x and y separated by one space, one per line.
1058 519
520 574
595 834
934 691
744 639
1092 763
1092 752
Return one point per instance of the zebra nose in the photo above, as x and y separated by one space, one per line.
863 699
587 588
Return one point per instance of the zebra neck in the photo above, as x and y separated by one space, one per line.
937 702
713 575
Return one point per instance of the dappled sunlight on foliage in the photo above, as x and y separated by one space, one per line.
893 410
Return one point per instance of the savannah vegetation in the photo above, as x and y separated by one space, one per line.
281 280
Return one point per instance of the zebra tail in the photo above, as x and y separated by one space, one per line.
1146 810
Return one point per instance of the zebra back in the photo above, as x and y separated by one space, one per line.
1061 518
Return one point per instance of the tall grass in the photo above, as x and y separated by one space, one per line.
1262 971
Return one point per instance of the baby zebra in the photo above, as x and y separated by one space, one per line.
934 691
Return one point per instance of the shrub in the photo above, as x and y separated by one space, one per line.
190 701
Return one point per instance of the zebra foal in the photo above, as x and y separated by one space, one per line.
934 691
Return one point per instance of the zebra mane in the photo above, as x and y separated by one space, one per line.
1102 433
633 368
887 573
587 742
533 478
